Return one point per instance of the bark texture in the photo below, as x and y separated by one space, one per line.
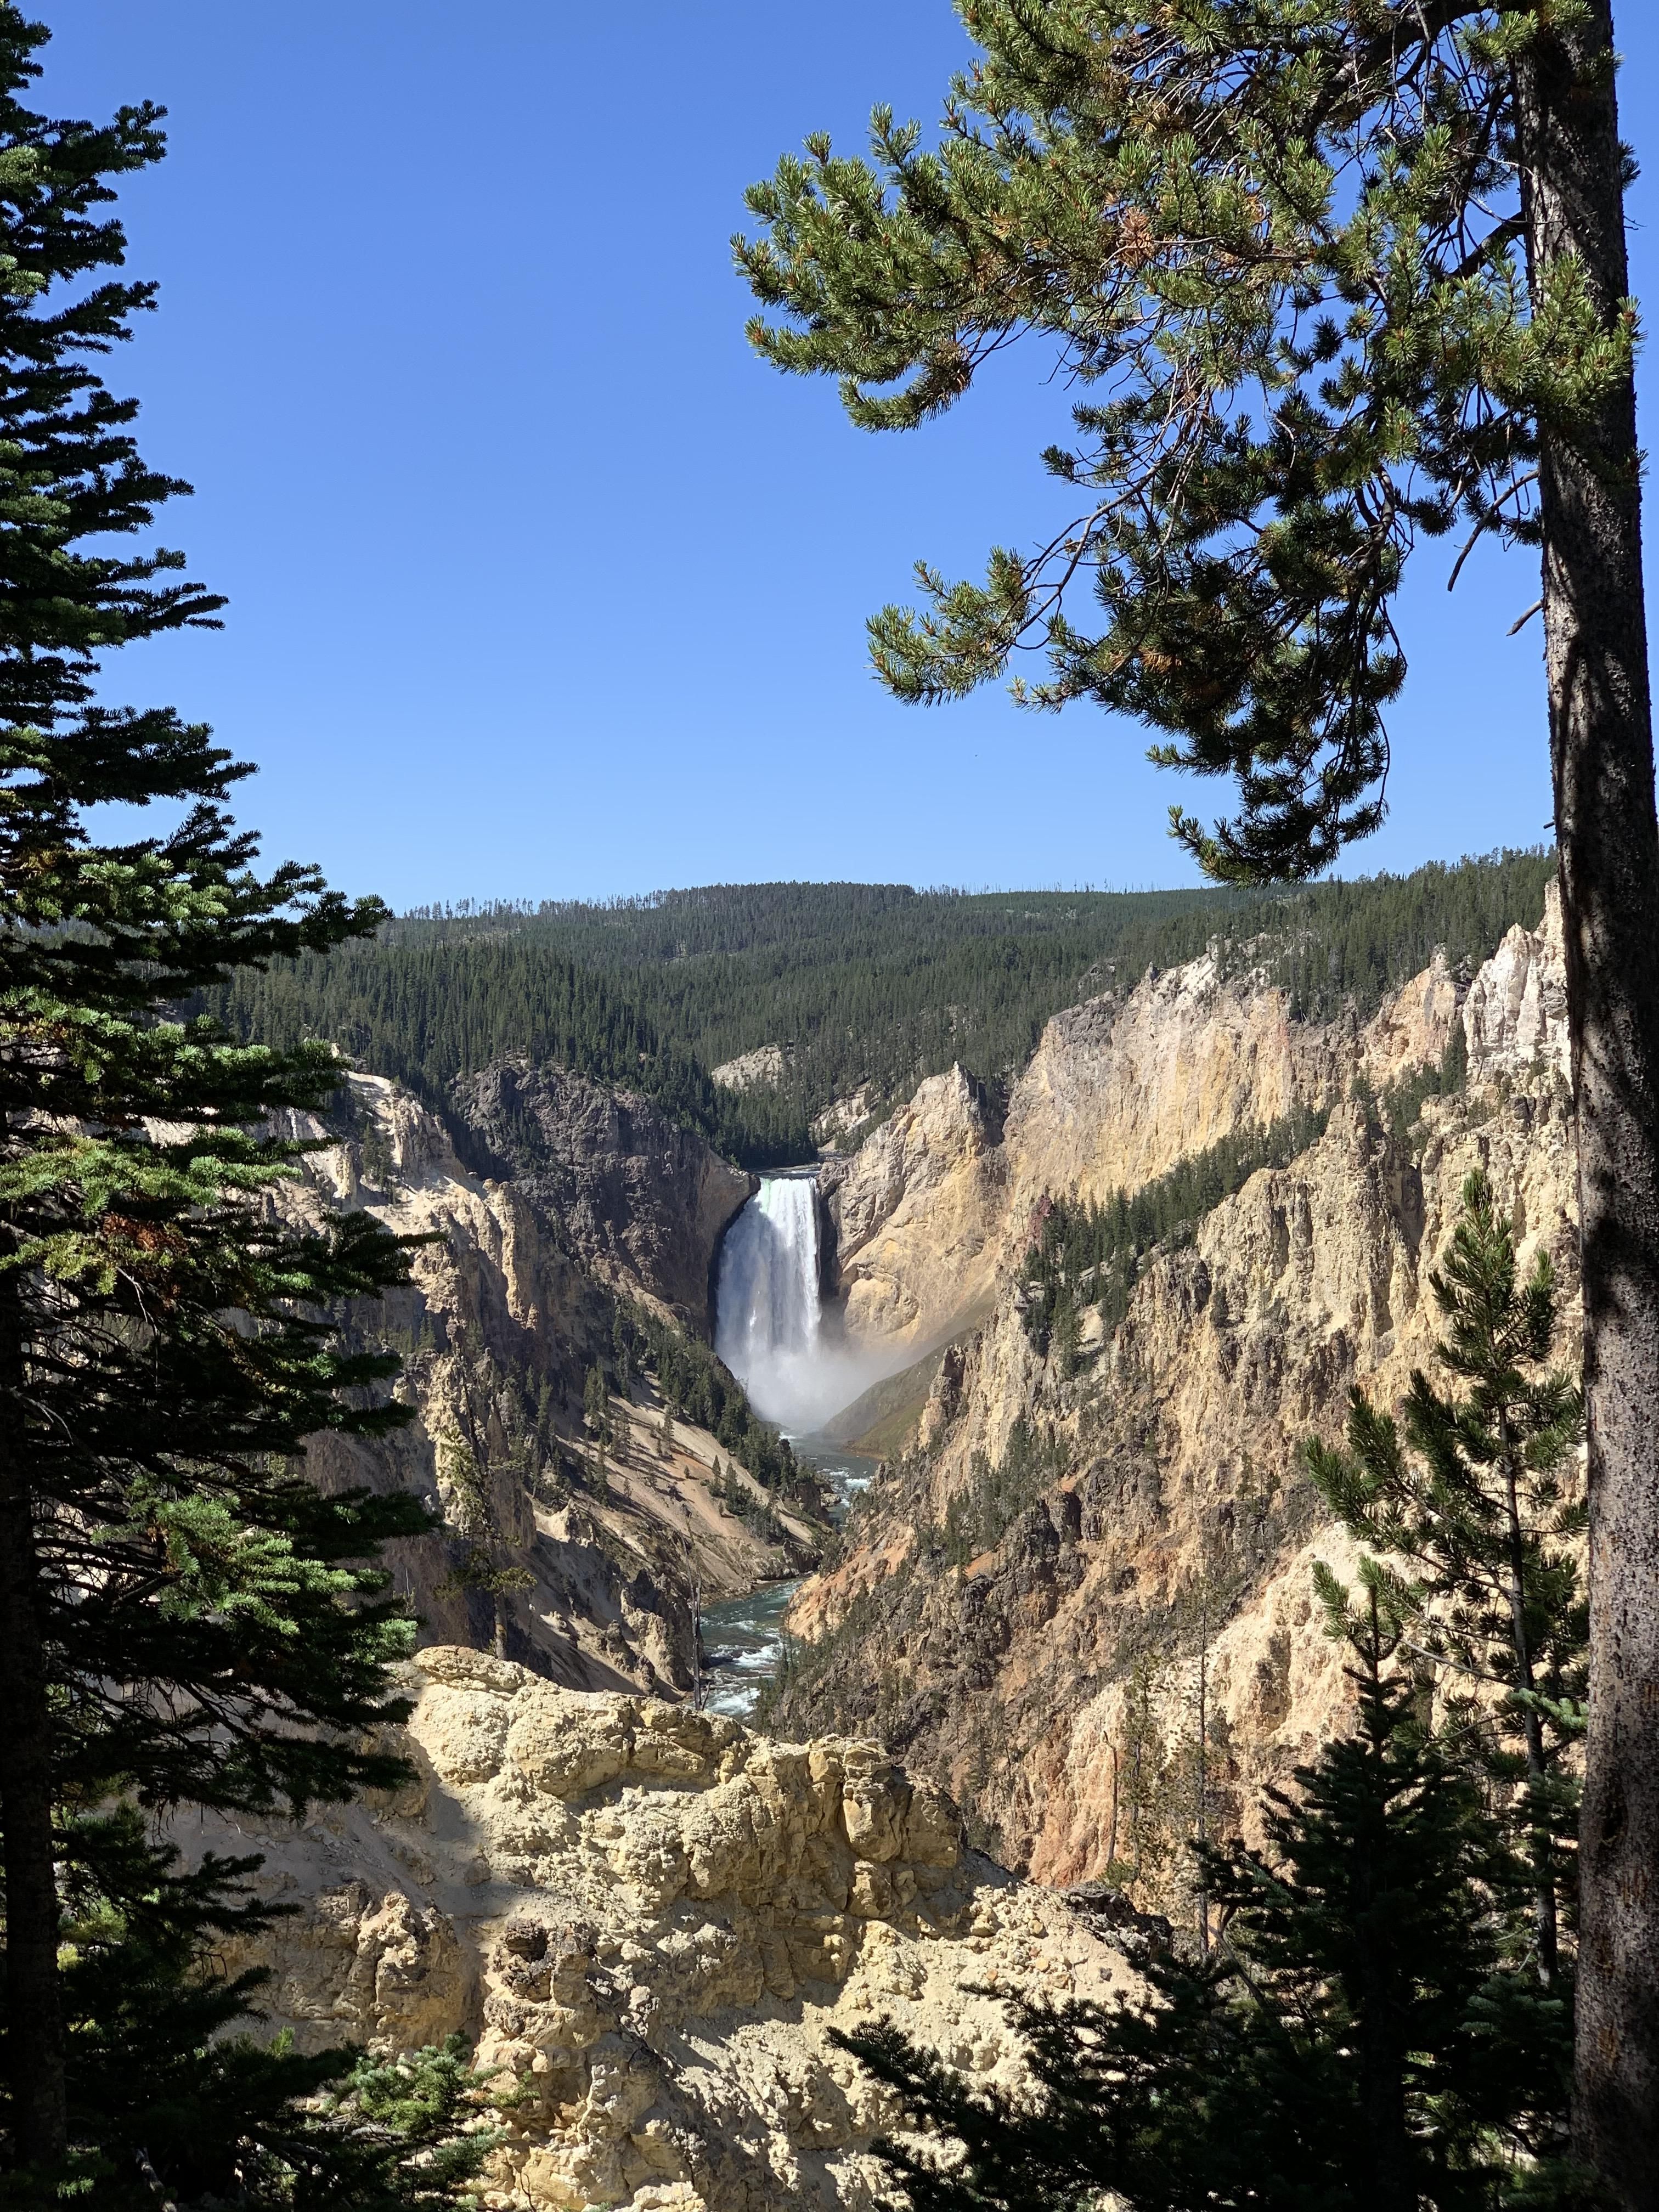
1601 756
34 2032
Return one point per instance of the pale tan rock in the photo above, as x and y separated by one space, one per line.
1412 1030
938 1202
1178 1442
766 1064
916 1216
842 1115
1118 1090
1515 1018
651 1918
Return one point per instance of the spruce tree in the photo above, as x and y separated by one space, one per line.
181 2103
1353 2037
1334 279
182 1617
1472 1509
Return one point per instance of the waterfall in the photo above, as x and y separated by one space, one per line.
767 1299
768 1319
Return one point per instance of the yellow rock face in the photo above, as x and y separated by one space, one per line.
1174 1444
938 1202
651 1917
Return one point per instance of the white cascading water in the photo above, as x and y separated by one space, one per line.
769 1330
766 1326
768 1316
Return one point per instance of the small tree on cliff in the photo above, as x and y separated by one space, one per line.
182 1617
182 2105
1472 1506
1336 277
596 1406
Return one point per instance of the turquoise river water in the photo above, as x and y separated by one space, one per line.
742 1637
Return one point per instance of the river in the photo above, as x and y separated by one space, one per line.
742 1637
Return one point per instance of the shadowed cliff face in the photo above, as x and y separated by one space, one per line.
1063 1543
641 1200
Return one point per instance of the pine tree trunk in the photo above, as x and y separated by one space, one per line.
34 2033
1542 1855
1601 754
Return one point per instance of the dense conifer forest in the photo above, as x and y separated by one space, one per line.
859 983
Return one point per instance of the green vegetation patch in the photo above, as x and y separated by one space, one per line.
1085 1255
997 1494
857 983
702 1390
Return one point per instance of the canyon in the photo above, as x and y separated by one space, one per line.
650 1916
1139 1507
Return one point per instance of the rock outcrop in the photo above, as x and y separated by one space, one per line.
1515 1017
642 1201
915 1214
842 1119
1061 1536
752 1071
651 1919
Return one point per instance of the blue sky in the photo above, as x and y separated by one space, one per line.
541 585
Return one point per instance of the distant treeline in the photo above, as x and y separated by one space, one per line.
426 1012
858 983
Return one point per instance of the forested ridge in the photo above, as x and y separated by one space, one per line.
860 983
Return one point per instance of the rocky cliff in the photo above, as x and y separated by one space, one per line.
1023 1602
585 1574
915 1214
642 1201
651 1920
936 1205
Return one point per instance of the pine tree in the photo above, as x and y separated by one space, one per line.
1141 1815
596 1404
180 2103
1471 1504
1353 2037
182 1617
1334 279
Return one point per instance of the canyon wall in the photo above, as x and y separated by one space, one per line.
1151 1502
651 1920
641 1199
935 1205
589 1579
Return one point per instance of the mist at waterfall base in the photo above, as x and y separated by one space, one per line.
769 1318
